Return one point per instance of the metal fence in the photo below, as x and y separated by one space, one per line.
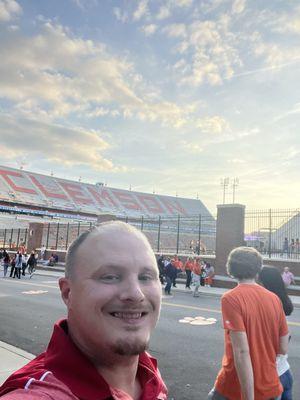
12 239
275 233
170 235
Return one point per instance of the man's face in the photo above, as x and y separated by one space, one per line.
114 297
286 269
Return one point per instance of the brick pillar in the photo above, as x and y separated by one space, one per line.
230 233
35 236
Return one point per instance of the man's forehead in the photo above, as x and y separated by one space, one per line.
111 237
111 232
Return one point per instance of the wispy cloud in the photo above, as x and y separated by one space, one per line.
63 147
175 30
141 10
120 15
9 9
149 29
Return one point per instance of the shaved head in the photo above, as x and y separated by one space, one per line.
114 228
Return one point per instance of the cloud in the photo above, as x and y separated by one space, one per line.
120 15
213 125
191 147
183 3
169 114
213 50
175 30
149 29
238 6
163 13
141 10
53 75
9 9
55 143
236 161
62 73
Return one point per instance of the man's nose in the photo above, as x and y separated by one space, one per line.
131 290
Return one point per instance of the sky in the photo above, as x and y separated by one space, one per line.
169 96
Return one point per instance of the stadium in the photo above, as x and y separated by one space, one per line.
66 208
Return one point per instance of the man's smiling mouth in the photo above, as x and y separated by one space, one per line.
128 315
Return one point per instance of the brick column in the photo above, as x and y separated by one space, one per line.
35 236
230 233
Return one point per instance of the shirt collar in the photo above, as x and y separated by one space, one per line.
84 380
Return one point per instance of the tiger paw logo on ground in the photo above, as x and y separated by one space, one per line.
198 321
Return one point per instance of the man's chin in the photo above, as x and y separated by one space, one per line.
127 348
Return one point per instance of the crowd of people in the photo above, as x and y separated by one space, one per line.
19 263
291 248
198 272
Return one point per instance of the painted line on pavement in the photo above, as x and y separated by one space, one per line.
32 284
191 307
292 323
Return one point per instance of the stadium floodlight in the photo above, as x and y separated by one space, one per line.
224 184
235 184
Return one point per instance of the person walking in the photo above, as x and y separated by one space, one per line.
161 268
196 276
271 279
18 266
24 263
6 262
188 266
12 266
31 262
170 273
210 273
255 333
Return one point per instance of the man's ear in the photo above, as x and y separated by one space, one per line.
65 290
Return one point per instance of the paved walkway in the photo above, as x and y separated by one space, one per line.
12 358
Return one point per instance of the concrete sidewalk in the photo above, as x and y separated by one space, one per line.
12 358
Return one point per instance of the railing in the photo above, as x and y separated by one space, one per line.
12 239
174 234
275 233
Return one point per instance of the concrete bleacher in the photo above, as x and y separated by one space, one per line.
28 188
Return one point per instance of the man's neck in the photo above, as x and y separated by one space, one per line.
247 281
122 375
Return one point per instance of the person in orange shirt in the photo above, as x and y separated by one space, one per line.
255 333
196 276
188 267
210 273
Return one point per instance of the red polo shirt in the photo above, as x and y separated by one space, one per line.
62 372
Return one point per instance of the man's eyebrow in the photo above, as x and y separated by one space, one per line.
119 268
148 270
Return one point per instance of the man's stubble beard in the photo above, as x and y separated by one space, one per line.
125 348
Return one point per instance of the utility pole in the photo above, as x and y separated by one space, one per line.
224 184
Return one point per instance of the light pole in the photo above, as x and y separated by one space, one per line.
235 184
224 184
